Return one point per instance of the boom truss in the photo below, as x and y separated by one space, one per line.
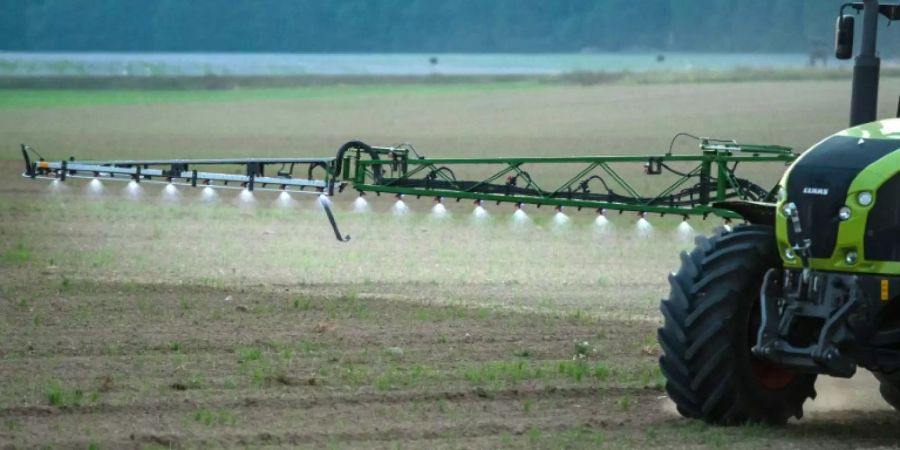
593 183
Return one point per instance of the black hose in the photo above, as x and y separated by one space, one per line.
358 145
29 169
434 173
584 183
675 138
312 167
681 174
687 197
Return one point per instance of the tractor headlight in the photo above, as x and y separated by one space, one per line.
864 198
845 213
789 254
851 257
781 194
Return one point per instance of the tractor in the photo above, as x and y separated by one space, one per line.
811 285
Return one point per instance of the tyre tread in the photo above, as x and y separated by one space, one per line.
705 377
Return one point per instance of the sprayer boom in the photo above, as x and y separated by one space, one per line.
246 174
185 171
698 181
597 182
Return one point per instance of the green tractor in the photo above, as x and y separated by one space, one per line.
810 286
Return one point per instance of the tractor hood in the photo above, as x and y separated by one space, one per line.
822 182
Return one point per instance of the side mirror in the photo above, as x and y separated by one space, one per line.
843 37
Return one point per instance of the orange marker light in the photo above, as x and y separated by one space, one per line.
884 291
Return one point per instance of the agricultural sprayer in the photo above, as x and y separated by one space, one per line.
807 285
708 186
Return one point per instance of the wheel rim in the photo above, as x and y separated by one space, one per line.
766 374
770 376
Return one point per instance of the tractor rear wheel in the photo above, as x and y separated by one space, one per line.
889 386
711 320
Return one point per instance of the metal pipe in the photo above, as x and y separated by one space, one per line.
864 100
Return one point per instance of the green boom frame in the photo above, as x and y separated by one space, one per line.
400 170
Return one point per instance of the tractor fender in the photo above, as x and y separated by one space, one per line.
758 213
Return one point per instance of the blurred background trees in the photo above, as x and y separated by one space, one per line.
416 25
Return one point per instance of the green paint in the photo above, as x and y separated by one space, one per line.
883 129
851 233
402 173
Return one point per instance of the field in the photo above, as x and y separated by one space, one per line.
152 325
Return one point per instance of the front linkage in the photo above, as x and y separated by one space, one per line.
827 322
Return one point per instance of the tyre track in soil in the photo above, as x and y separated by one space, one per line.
80 343
450 414
472 420
286 414
377 420
283 400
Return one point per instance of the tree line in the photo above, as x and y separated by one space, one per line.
416 25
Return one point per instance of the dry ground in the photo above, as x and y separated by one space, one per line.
129 324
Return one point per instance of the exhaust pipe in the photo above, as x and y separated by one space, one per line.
864 100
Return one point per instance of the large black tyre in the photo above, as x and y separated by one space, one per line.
710 323
889 386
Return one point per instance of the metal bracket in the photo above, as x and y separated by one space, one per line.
802 248
822 356
653 166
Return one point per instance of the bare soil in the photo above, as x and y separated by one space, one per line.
144 325
186 366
